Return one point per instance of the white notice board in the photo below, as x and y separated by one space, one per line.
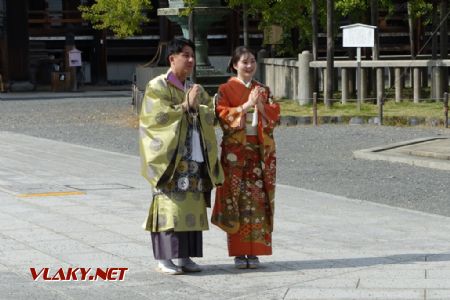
358 35
75 58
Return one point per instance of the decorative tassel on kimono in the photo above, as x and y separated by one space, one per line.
255 117
197 154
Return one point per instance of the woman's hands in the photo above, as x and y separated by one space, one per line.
257 97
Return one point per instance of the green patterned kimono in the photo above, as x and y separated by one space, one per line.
181 187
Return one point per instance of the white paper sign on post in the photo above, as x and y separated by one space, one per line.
358 35
75 58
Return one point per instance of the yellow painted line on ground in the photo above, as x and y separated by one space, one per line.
50 194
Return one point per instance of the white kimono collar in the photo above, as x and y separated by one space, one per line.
246 84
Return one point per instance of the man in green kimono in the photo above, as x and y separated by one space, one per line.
180 160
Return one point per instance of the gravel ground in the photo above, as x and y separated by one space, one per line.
319 158
106 123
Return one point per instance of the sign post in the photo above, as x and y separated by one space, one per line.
74 62
357 36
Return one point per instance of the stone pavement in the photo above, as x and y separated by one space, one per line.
63 205
431 152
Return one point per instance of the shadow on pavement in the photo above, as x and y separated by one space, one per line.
268 266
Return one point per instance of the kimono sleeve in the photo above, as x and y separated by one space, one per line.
206 108
272 112
229 117
161 126
206 113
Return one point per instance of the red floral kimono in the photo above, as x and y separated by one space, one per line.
244 205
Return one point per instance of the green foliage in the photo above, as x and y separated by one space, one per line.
352 7
420 8
123 17
190 3
358 10
288 14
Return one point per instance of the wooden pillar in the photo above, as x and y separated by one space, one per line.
17 40
233 31
99 58
164 38
3 45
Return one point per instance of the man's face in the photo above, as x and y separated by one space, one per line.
183 63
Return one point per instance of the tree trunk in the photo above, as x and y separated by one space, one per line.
411 32
330 52
444 42
434 40
315 28
315 31
377 76
374 22
234 31
419 34
245 24
434 48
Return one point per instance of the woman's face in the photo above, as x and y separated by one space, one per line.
246 66
182 63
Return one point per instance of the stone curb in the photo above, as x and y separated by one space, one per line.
362 120
382 153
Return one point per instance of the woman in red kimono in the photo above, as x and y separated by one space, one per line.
244 205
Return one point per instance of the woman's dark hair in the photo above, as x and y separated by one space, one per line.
176 46
237 54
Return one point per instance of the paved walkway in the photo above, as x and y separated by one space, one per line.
325 247
431 152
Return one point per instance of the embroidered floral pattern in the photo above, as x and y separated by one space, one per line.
162 118
244 205
189 176
156 144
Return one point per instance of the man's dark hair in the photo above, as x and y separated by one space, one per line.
237 54
176 46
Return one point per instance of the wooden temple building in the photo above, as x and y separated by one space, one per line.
35 35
